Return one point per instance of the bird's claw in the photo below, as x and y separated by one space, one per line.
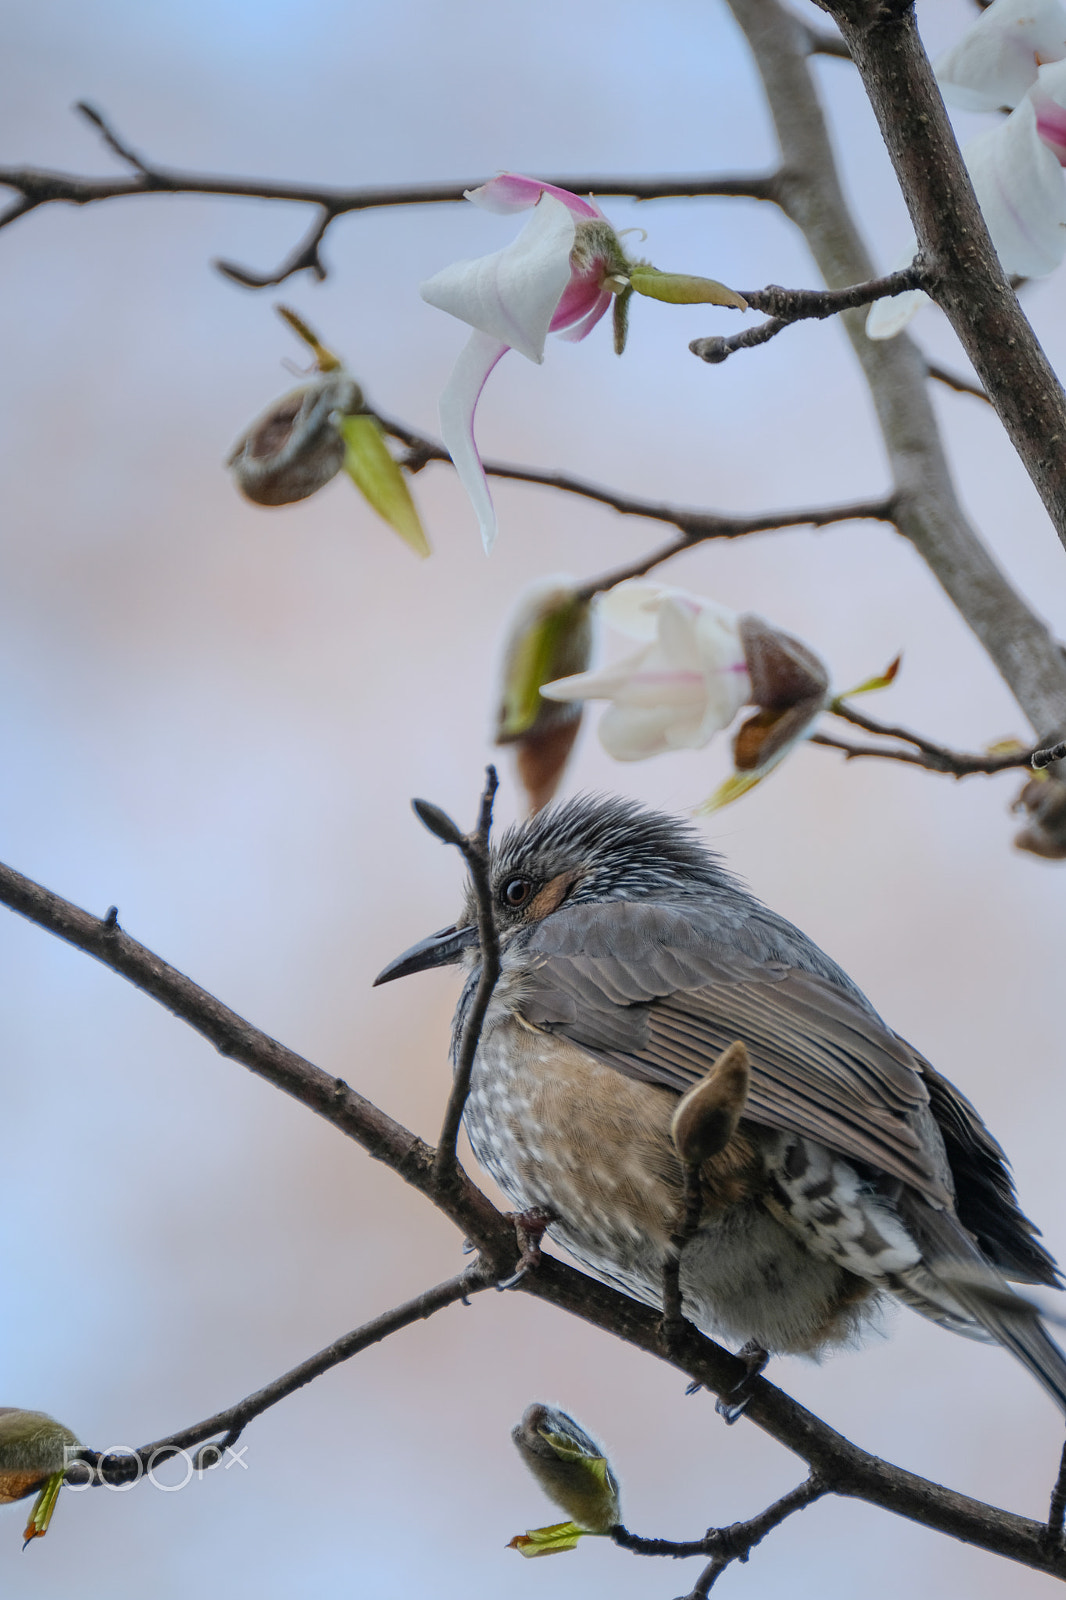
530 1227
733 1407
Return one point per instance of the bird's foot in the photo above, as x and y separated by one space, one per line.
734 1406
530 1227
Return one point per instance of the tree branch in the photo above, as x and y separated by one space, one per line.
843 1466
970 285
37 187
474 848
801 305
123 1468
934 757
696 526
1017 640
734 1543
955 380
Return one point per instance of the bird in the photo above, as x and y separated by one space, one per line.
850 1172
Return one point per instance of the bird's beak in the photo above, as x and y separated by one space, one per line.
441 949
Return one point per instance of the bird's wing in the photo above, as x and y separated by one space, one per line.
659 991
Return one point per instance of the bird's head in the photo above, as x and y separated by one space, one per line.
588 850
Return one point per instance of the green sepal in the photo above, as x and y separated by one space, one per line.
536 661
379 478
325 360
868 685
736 785
682 289
620 318
550 1541
43 1507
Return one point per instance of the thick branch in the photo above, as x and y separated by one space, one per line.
971 287
1017 640
844 1467
231 1422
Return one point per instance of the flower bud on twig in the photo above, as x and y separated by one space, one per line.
550 636
35 1451
573 1471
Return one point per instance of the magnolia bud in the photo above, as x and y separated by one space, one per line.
571 1468
1043 800
549 637
789 686
294 447
35 1451
32 1447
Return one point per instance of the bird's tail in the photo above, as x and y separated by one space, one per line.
957 1286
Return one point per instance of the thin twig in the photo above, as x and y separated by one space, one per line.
1047 757
474 848
955 380
132 1465
935 757
688 1220
733 1543
696 526
787 306
949 762
305 258
1057 1509
36 187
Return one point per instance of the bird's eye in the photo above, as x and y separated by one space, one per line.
517 891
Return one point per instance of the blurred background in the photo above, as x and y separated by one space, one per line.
214 716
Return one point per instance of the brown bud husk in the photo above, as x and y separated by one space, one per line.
1043 801
294 448
789 685
570 1467
33 1446
707 1114
549 637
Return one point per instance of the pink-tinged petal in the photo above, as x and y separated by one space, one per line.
996 60
1049 99
457 406
581 329
512 294
581 295
1020 188
511 192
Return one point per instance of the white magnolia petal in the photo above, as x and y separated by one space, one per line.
635 734
891 315
1020 188
886 318
603 684
995 62
512 294
632 607
678 640
457 406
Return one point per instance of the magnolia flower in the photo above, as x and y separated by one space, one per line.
685 685
699 664
559 276
1014 55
